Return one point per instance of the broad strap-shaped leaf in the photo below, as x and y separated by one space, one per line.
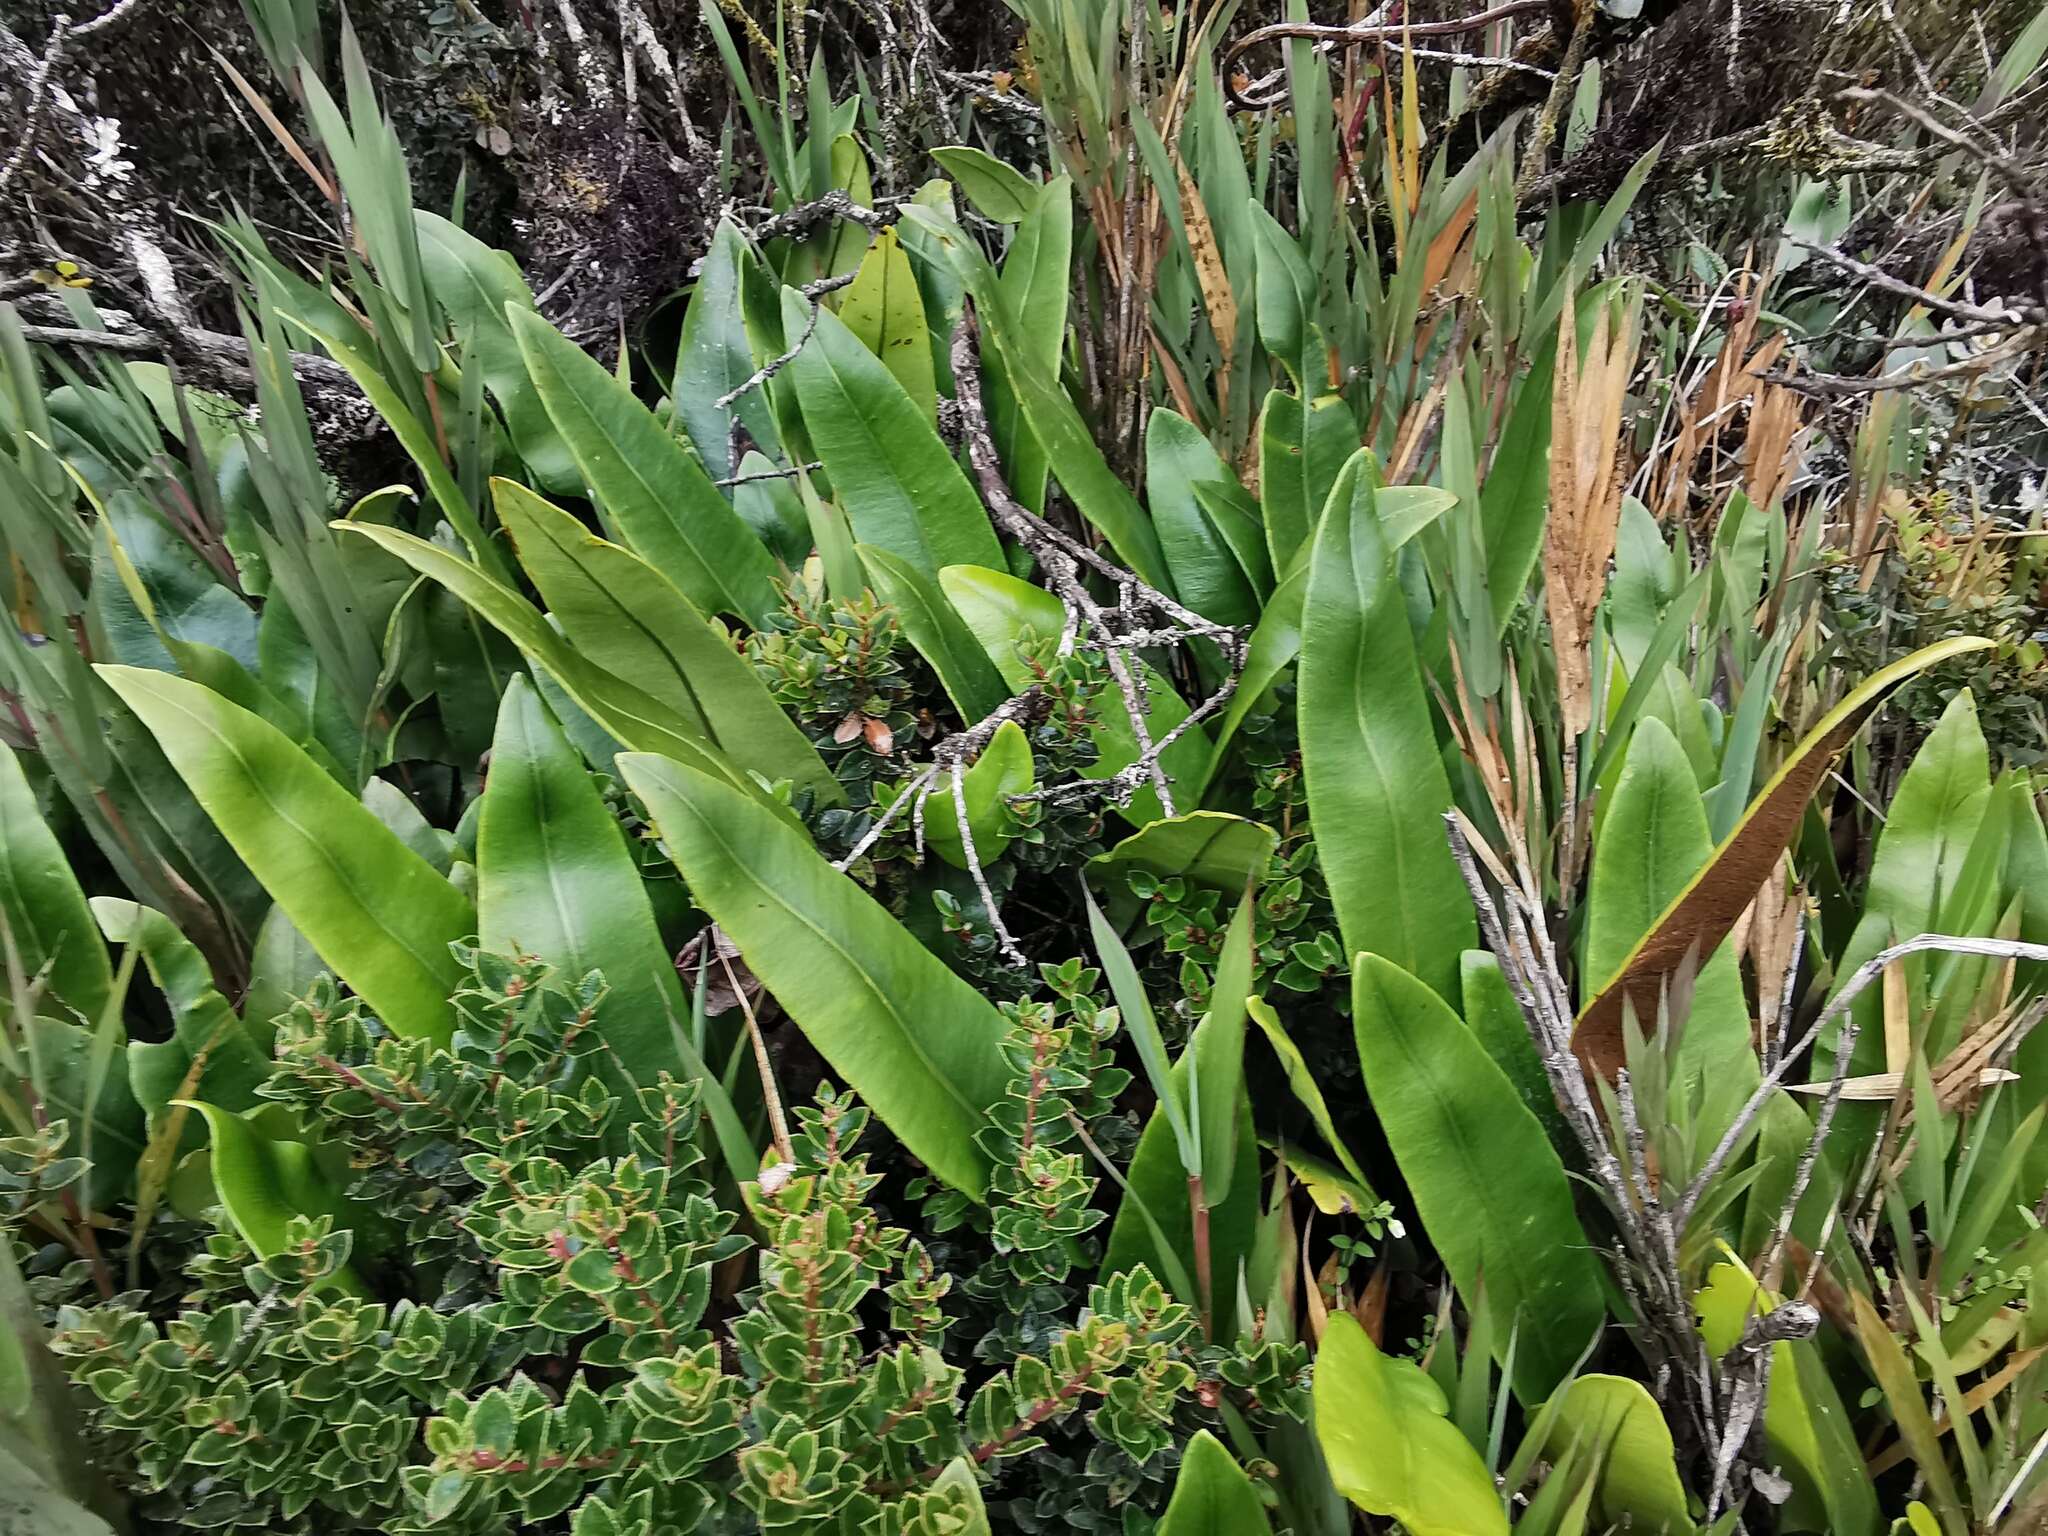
556 879
1390 1448
474 284
654 496
714 357
630 715
1001 611
376 911
1376 784
1489 1187
1651 842
46 911
1404 511
913 1039
934 626
624 615
1303 448
883 308
1208 847
1702 914
1615 1418
997 190
901 489
1496 1021
1212 1496
1205 570
1034 286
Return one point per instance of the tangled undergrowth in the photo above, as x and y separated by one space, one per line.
1095 769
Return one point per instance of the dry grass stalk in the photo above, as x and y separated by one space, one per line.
1587 474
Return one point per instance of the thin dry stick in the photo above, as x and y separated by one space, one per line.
1119 629
778 1128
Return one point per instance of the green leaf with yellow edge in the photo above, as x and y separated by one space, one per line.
264 1183
1702 914
624 615
1003 769
1212 1496
1207 847
914 1040
1638 1479
655 497
883 308
1390 1448
377 912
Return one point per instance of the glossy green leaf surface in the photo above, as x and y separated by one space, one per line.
1389 1446
1376 785
624 615
474 283
913 1039
932 625
714 358
1206 573
556 879
1212 1496
264 1183
997 191
635 718
1001 610
1651 843
1302 450
1702 913
1302 1079
232 1059
376 912
46 911
1004 768
900 487
1208 847
656 499
883 308
1638 1481
1487 1184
